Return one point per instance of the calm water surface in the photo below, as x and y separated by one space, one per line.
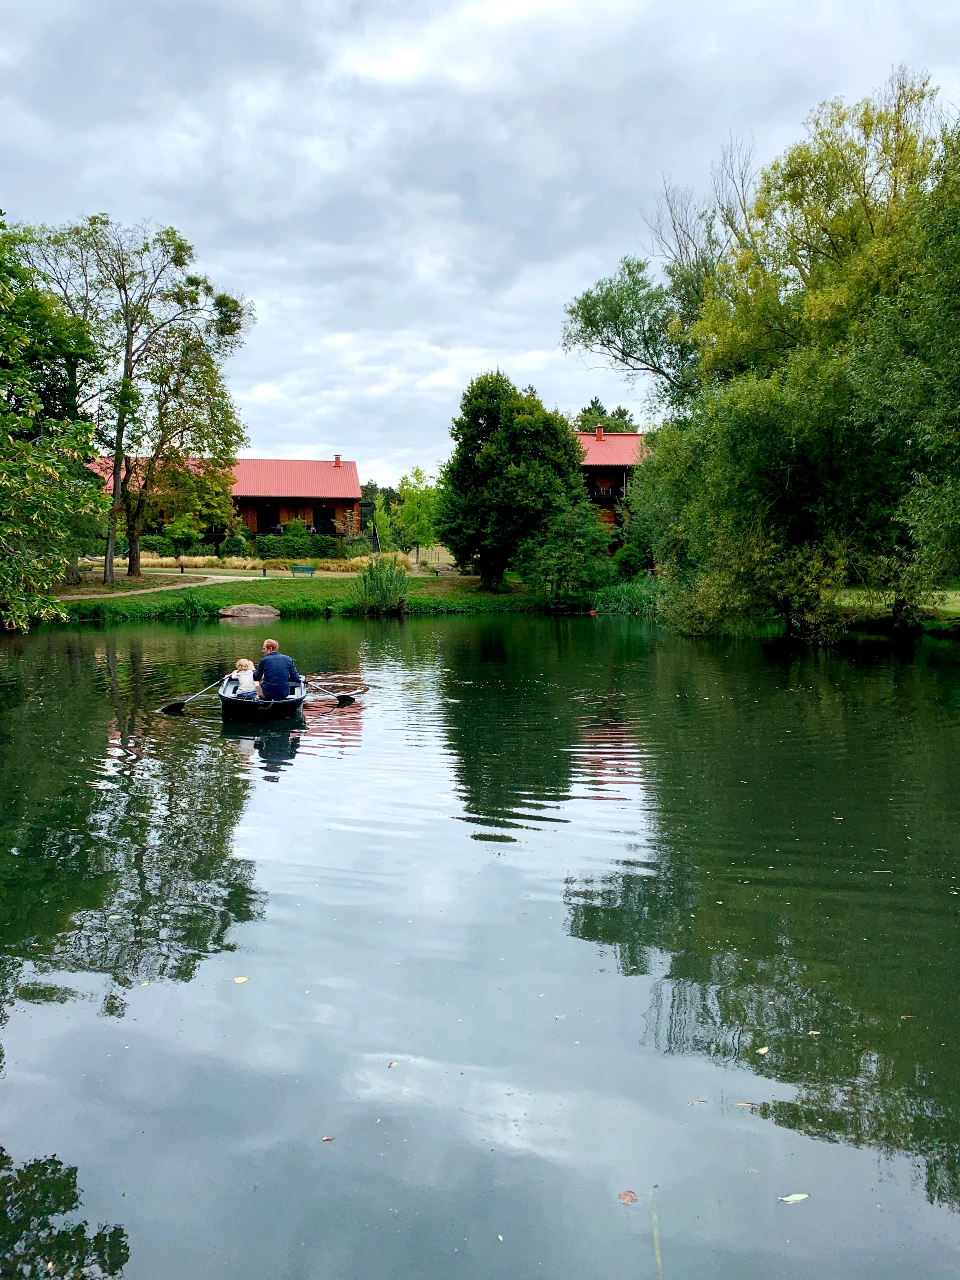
560 909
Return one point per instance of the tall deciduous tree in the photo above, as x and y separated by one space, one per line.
414 515
773 482
131 286
513 466
185 435
46 492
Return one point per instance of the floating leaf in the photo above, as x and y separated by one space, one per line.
500 1238
765 1049
794 1198
144 984
558 1016
392 1064
239 979
114 917
328 1139
747 1104
627 1197
697 1102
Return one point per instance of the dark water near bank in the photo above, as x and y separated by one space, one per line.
515 931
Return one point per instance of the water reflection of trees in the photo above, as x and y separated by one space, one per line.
116 829
35 1240
512 706
762 917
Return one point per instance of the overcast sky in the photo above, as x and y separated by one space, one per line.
410 191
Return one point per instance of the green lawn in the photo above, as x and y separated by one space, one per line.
299 598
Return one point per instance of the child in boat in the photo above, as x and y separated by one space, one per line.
246 686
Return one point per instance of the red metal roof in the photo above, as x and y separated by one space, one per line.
277 478
295 478
616 449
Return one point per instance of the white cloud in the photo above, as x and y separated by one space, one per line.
411 194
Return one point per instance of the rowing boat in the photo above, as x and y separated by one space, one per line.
255 710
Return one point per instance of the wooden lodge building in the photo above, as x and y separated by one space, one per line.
269 492
609 457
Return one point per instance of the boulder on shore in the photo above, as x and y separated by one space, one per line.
253 612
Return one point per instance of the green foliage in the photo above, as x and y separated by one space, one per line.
157 545
514 465
294 546
371 491
234 544
595 415
638 599
796 462
49 502
35 1241
383 522
414 515
906 376
569 555
161 332
183 533
379 588
629 561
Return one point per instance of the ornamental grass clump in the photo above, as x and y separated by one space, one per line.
636 599
380 588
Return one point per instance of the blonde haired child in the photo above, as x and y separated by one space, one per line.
246 688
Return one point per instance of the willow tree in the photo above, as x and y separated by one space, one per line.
768 487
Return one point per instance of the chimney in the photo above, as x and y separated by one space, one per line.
599 431
336 459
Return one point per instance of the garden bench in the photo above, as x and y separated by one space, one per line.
303 568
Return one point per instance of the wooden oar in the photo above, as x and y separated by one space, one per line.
175 708
343 699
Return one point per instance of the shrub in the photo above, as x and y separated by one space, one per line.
268 546
380 587
326 547
358 546
156 544
568 556
637 599
234 544
629 561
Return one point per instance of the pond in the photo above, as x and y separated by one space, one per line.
561 909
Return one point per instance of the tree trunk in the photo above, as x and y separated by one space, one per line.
108 553
491 576
115 508
133 555
72 571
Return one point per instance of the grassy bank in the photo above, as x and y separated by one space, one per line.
426 597
312 598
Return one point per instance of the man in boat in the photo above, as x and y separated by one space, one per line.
275 671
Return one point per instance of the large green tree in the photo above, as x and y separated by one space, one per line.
773 482
131 286
514 465
183 440
46 493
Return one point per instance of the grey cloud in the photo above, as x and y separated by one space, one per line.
411 192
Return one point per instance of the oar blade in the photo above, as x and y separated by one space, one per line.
344 700
173 709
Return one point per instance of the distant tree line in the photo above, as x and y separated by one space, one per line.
804 349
